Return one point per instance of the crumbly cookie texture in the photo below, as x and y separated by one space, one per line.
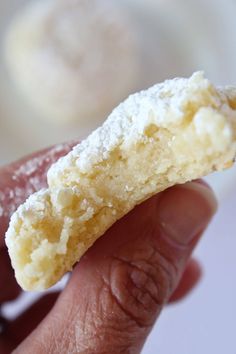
66 55
174 132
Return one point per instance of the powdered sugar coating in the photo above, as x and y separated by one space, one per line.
162 105
172 133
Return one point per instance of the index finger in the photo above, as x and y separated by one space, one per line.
22 178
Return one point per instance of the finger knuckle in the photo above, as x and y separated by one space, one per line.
140 287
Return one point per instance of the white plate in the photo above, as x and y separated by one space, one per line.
177 37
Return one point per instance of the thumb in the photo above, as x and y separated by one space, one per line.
120 286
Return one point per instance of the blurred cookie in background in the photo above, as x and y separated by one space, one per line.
74 60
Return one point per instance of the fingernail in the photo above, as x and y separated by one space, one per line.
203 182
185 210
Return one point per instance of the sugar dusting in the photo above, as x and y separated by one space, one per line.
21 179
162 112
162 105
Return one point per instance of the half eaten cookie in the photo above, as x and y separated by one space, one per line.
174 132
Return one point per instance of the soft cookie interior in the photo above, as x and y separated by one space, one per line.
171 133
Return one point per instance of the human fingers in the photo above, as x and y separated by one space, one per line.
17 181
21 178
9 289
17 330
188 282
120 286
22 326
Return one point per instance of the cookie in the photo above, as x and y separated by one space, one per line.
172 133
73 60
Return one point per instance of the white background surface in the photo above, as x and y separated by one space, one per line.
181 37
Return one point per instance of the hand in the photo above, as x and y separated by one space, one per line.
117 291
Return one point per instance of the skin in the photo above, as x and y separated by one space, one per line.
117 291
